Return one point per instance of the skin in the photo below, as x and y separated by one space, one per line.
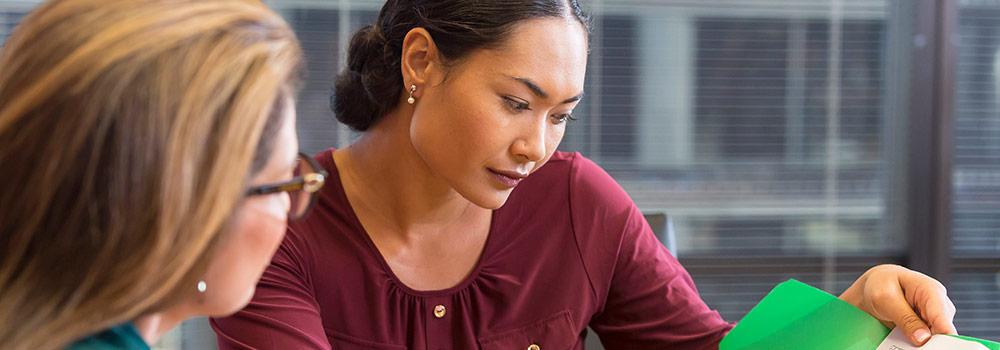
420 184
256 231
424 181
901 297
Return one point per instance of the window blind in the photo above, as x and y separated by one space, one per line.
976 172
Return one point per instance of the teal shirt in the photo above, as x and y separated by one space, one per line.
123 337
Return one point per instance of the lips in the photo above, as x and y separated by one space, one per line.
507 178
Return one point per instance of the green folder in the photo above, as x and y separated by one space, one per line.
797 316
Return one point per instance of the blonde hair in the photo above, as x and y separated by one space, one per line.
128 130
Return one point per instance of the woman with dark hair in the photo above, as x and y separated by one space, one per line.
453 222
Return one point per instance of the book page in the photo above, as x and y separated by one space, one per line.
897 340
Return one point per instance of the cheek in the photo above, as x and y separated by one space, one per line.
554 138
457 128
262 232
260 229
243 255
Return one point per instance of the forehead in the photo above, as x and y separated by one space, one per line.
551 52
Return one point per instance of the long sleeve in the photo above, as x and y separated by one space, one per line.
649 299
283 314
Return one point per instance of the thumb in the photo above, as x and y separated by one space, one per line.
896 309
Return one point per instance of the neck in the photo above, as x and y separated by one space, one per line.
392 181
153 326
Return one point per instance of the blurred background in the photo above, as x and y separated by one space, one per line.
806 139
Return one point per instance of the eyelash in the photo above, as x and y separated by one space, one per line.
515 105
520 106
562 118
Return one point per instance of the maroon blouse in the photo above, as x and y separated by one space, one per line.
569 249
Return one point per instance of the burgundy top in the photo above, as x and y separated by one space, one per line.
569 249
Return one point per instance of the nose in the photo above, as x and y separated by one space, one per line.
530 145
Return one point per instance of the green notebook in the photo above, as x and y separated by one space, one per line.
797 316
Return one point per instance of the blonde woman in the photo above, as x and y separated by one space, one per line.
149 166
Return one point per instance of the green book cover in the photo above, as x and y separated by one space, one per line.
797 316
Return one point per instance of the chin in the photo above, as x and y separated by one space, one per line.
493 205
483 195
491 200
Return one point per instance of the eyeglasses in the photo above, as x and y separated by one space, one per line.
302 189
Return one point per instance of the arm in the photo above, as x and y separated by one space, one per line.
650 301
283 313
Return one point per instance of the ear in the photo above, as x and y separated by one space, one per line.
420 61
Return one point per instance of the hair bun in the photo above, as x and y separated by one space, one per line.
365 46
368 86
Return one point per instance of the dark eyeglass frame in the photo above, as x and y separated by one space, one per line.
310 183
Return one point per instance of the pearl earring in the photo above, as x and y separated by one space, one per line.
412 100
202 286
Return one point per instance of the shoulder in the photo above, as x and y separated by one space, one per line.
123 337
601 212
574 183
592 193
329 237
329 211
582 175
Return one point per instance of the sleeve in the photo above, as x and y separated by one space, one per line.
283 314
649 299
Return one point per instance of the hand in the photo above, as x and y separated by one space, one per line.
902 297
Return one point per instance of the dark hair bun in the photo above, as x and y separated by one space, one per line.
370 84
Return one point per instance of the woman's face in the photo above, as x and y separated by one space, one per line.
254 233
500 113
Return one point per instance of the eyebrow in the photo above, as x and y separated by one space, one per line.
537 90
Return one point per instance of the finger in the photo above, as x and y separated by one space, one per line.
931 298
939 312
890 305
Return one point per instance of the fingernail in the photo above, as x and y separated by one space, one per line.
922 335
